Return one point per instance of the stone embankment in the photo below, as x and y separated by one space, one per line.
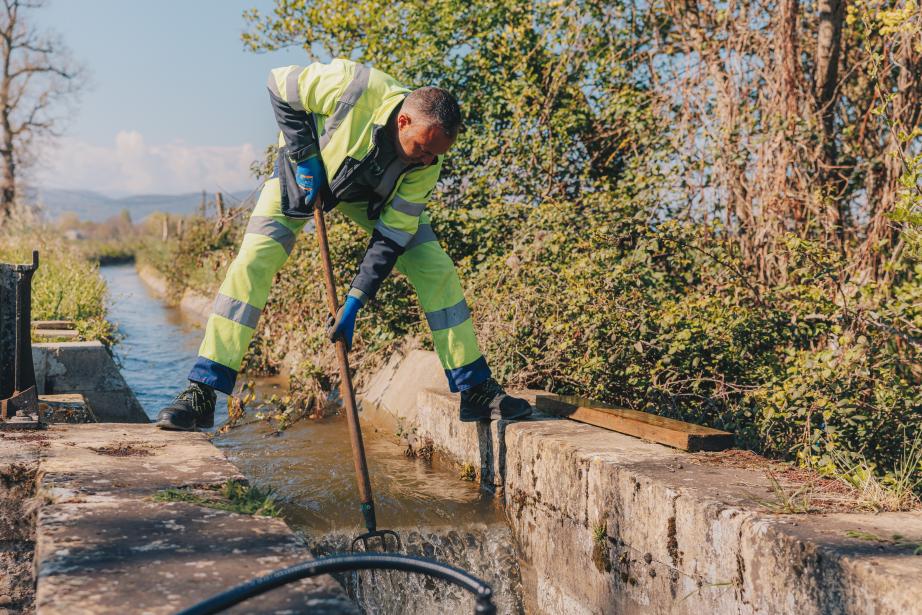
607 523
86 497
87 369
193 304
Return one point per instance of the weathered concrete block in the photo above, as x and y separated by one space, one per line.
664 535
608 523
87 368
479 445
192 303
484 550
65 408
104 545
196 305
152 278
395 387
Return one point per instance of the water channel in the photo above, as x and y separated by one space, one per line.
309 467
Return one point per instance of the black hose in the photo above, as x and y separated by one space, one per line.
346 563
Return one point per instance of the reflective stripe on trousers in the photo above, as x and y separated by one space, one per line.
266 245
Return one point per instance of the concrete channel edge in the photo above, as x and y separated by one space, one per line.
613 524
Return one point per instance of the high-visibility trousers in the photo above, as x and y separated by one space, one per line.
267 242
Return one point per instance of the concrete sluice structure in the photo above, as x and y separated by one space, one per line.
607 523
436 514
105 543
578 520
592 522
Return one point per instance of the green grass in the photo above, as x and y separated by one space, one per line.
793 502
233 496
66 285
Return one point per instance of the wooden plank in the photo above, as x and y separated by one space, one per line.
54 324
659 429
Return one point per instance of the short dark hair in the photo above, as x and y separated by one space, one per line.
437 105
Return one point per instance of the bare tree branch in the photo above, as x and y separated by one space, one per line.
38 80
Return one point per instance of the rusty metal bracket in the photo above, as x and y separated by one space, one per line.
18 392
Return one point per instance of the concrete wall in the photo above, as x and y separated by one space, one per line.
191 303
87 368
607 523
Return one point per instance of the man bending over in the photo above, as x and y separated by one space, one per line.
382 145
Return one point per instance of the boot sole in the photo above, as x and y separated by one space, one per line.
171 427
516 417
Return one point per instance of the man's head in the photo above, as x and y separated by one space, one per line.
427 125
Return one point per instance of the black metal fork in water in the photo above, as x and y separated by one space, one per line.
373 534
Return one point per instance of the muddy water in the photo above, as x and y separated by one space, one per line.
309 467
436 514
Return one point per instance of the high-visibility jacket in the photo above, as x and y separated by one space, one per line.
338 109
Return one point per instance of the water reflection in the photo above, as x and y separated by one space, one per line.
310 464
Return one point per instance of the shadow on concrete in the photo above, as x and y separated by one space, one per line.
491 438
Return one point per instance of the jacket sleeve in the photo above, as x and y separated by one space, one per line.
394 232
296 92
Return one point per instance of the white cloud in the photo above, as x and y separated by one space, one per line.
131 166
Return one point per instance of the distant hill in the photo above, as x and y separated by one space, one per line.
96 207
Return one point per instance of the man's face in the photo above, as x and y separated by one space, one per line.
420 142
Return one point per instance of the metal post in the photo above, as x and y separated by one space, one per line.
19 408
7 331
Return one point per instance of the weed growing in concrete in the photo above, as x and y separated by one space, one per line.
862 535
787 502
600 555
897 539
233 496
599 533
891 492
702 586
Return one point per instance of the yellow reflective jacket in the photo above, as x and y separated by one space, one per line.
336 109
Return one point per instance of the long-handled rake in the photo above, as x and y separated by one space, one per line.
352 415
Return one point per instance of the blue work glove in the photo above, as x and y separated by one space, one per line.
342 326
311 177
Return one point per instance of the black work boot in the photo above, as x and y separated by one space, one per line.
192 408
488 401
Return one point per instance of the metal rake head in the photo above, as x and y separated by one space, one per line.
381 535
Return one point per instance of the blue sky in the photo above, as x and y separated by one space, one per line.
175 104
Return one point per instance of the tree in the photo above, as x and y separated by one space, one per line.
37 81
546 87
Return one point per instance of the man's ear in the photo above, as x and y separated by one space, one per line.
403 120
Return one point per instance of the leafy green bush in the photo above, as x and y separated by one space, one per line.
196 258
66 285
591 257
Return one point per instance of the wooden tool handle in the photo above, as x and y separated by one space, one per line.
345 386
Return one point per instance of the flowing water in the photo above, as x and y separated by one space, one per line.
309 467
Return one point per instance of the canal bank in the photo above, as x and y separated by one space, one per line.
605 523
309 467
608 523
118 526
